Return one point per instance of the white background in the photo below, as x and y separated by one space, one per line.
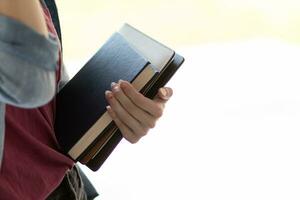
231 130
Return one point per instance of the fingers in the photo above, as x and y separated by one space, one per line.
141 101
125 119
126 132
133 113
144 118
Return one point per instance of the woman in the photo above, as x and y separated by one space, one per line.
31 73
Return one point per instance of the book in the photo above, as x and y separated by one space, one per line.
83 127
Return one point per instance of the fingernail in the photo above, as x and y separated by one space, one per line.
108 108
122 85
108 94
112 84
115 87
164 92
110 112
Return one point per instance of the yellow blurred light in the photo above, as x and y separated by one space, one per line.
89 23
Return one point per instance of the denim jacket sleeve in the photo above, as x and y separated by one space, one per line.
27 65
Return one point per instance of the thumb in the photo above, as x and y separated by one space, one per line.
164 93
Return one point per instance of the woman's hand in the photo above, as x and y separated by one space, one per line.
133 113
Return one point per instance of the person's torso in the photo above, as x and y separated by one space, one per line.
32 165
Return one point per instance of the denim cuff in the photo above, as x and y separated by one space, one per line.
27 44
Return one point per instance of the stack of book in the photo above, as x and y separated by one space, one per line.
83 127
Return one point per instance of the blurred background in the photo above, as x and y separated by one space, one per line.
177 22
231 130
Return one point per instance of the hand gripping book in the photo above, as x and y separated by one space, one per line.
84 130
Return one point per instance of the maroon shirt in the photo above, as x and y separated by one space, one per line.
32 166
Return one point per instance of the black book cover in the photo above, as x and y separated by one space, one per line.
82 100
95 163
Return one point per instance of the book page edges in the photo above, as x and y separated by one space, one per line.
139 82
153 51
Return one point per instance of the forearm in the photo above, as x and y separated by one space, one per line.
28 12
